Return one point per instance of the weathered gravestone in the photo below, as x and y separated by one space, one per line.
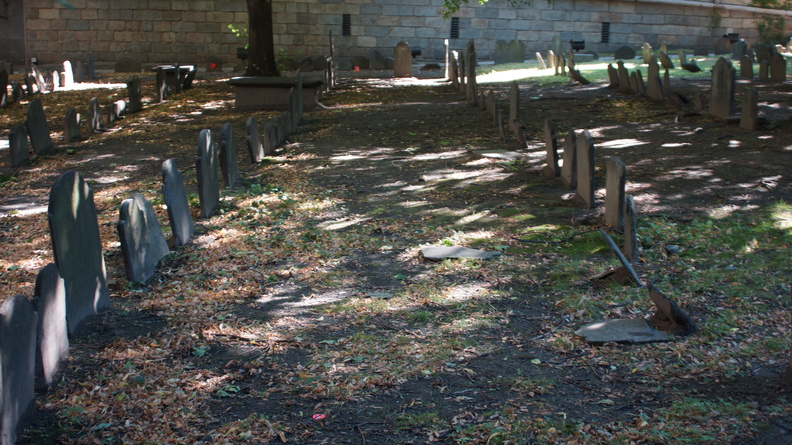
454 69
669 316
53 337
17 92
55 81
41 82
514 102
17 364
777 67
614 192
654 88
255 147
762 52
723 46
764 70
665 61
637 83
18 146
585 170
613 77
38 131
746 67
624 78
95 124
723 85
77 249
207 173
163 90
569 161
402 60
630 248
377 60
30 85
541 60
517 131
127 65
739 49
557 45
142 242
510 52
551 170
269 141
646 52
228 156
135 94
551 60
79 72
71 131
471 85
749 118
624 53
68 75
175 198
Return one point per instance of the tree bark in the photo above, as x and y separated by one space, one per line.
261 49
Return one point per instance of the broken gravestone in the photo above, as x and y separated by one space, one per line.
669 317
142 242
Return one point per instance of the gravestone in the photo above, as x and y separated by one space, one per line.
557 45
79 75
746 67
569 161
633 82
517 131
762 52
71 131
749 118
723 46
269 141
624 53
55 81
135 94
402 60
38 131
207 173
665 61
214 64
53 339
613 77
646 52
778 67
624 78
17 93
117 109
551 170
664 47
175 198
68 75
682 57
764 70
739 49
551 60
723 85
95 124
18 146
255 148
447 54
127 65
77 249
630 230
30 83
228 156
454 69
18 323
162 86
669 316
640 87
514 102
41 83
492 106
187 77
585 170
614 192
439 253
3 87
541 60
654 89
142 242
470 70
509 51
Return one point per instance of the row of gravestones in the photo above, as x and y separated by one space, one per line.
34 333
462 70
35 82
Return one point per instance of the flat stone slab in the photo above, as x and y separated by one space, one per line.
272 93
438 253
621 330
501 154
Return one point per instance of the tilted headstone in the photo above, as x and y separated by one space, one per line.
541 60
723 86
18 147
30 85
669 316
71 132
514 102
654 87
624 77
127 65
187 77
634 82
38 131
95 124
68 75
255 147
142 242
77 249
746 67
18 323
630 230
509 51
207 171
723 46
624 53
470 70
749 118
41 83
402 60
614 192
585 170
613 77
53 335
739 49
135 94
646 52
665 61
551 170
228 156
778 67
175 198
569 161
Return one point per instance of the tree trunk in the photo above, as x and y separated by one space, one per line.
261 50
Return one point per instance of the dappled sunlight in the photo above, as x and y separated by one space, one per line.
782 214
621 143
343 223
439 155
473 218
676 145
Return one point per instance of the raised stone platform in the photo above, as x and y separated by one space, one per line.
272 93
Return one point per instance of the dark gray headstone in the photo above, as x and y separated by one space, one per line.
68 75
646 52
509 51
630 230
71 131
135 95
569 161
557 45
127 65
378 60
53 334
624 77
764 71
79 72
228 156
654 87
514 102
665 61
38 131
187 77
762 52
30 85
640 87
3 87
614 192
255 148
18 323
624 53
142 242
18 146
585 170
551 170
181 220
207 172
471 86
402 60
17 93
269 141
95 124
723 85
723 46
746 67
749 118
77 249
739 49
778 67
613 77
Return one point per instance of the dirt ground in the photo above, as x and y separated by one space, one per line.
399 161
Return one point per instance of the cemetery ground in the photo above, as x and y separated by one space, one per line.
304 312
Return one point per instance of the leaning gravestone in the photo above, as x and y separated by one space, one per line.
585 170
162 86
71 132
38 131
53 338
175 197
551 147
569 161
541 60
95 124
624 53
18 146
228 156
739 49
646 52
142 242
127 65
630 233
640 87
746 67
207 173
777 67
17 364
255 147
749 118
135 95
402 60
77 249
30 83
665 61
614 192
723 85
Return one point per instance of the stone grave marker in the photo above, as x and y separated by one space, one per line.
778 67
447 53
214 64
38 131
77 249
723 85
471 85
127 65
68 75
30 83
95 124
228 156
624 78
551 170
402 60
569 161
517 131
621 330
630 248
762 52
613 77
551 60
269 141
749 118
135 95
739 49
682 57
585 170
654 89
723 46
664 47
55 81
117 109
614 192
187 77
764 70
207 173
571 59
18 323
142 242
41 83
624 273
646 53
79 72
3 87
18 146
492 107
71 131
255 147
746 67
556 44
499 124
454 69
378 60
665 61
514 102
53 336
162 86
175 198
541 60
624 53
637 80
